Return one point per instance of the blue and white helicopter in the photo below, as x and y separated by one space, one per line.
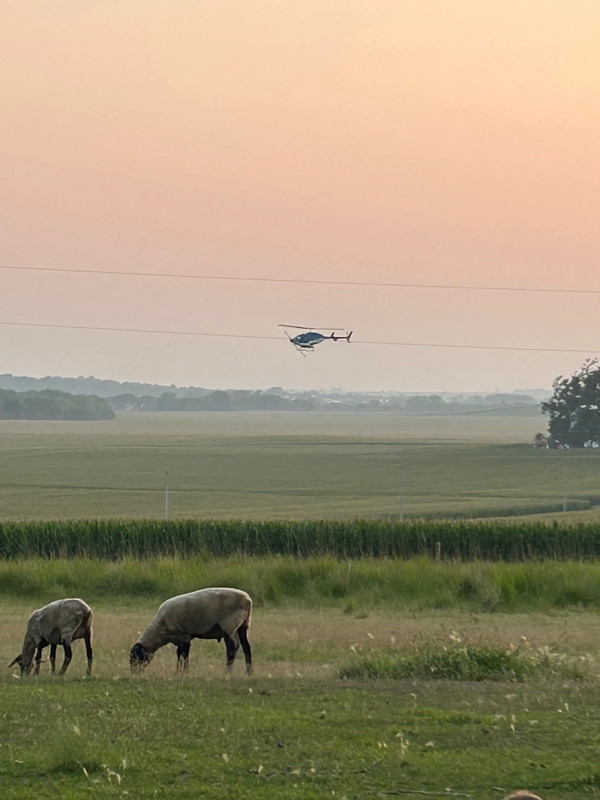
304 342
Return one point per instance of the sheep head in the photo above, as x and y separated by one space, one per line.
139 656
24 667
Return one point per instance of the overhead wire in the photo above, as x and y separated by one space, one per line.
281 338
187 276
317 281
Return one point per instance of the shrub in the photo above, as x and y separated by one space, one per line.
460 662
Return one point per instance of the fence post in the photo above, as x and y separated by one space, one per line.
167 494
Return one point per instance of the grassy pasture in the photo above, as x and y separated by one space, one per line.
291 466
295 729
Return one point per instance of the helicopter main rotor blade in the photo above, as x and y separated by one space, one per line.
315 328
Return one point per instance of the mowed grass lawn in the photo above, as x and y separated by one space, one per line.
290 466
295 729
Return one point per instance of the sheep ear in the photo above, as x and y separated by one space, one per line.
17 660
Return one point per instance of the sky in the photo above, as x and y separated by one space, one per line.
179 179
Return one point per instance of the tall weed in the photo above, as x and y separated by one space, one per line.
461 662
355 585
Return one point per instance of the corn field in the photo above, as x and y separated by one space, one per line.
459 540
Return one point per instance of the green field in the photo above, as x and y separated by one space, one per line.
295 738
292 466
374 678
296 728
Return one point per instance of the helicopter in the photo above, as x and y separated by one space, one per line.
306 341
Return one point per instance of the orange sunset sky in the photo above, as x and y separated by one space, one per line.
310 146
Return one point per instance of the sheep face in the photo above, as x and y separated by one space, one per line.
139 657
24 666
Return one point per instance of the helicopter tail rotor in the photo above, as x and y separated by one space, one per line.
339 338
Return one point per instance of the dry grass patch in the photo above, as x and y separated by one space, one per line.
313 643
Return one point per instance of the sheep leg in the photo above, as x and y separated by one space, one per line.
38 659
53 657
88 649
68 655
183 656
231 644
243 634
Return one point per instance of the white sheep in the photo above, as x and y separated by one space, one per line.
215 613
60 622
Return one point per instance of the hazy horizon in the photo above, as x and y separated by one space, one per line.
324 389
422 173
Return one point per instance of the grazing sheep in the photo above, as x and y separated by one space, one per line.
214 613
60 622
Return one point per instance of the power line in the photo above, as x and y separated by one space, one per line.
481 347
248 279
281 339
137 330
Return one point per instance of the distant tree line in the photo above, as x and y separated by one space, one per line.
89 385
246 400
52 404
214 401
131 396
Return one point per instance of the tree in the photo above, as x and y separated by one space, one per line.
574 408
52 404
